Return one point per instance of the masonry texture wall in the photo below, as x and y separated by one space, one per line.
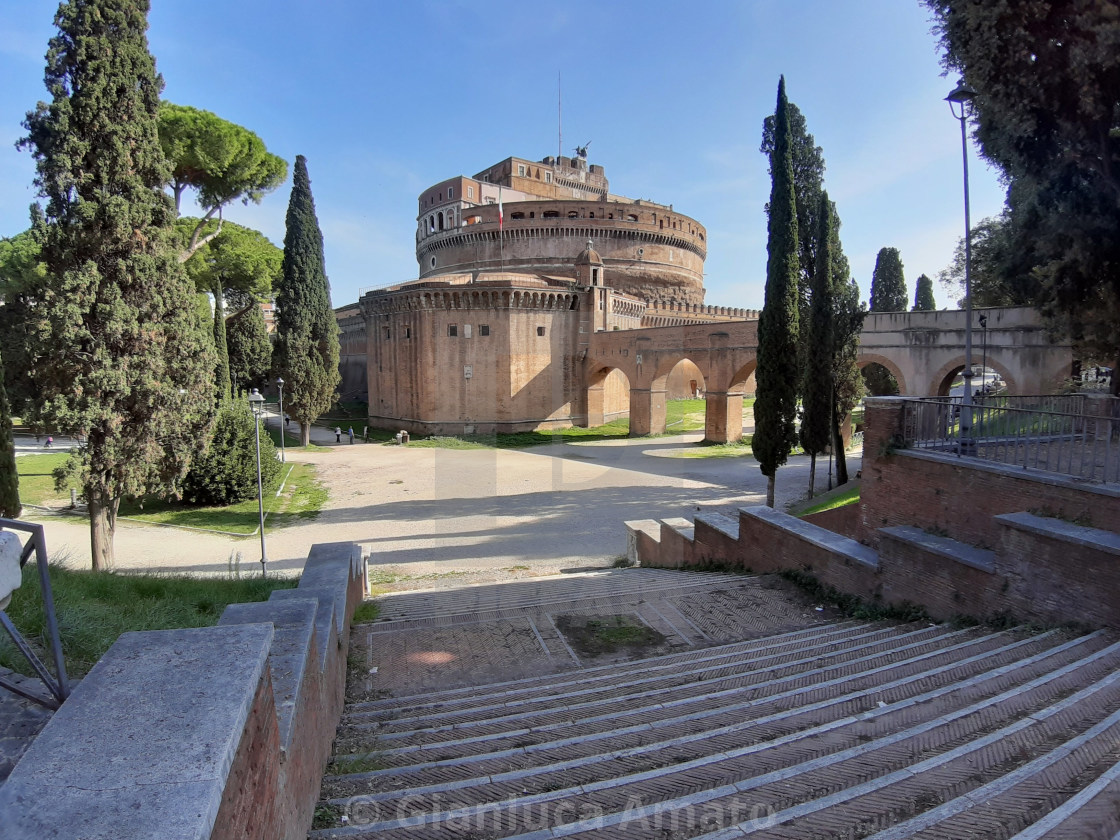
216 732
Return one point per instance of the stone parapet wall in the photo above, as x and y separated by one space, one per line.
214 732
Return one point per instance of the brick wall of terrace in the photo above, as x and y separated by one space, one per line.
214 732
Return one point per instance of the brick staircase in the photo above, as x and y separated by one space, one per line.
835 729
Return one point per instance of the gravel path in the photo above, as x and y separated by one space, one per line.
431 515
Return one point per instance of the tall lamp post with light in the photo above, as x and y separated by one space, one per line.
960 104
256 403
283 420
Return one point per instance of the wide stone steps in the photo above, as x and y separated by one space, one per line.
697 705
602 675
841 731
475 602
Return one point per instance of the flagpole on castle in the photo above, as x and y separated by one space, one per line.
501 230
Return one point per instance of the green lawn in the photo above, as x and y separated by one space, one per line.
302 497
94 608
847 497
680 416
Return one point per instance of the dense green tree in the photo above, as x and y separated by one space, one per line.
21 278
808 177
307 332
776 376
223 162
226 473
848 387
9 478
1001 270
1048 114
122 359
923 295
250 351
816 382
888 284
237 263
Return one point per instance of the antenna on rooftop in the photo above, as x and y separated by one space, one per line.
559 114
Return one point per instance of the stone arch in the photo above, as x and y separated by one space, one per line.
942 380
606 393
742 381
865 359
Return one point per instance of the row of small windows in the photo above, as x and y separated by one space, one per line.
523 173
453 331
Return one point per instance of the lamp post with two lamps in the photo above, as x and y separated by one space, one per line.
960 104
256 403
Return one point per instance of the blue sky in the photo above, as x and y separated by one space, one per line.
387 98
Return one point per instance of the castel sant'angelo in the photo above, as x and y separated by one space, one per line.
519 265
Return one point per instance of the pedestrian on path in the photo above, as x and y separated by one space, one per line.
350 432
338 434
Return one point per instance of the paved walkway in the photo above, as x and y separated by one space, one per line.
434 512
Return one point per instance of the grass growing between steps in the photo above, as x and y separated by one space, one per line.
852 606
593 636
94 608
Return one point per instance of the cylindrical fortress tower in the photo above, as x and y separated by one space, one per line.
533 216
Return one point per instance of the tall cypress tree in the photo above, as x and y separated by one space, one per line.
888 284
776 404
923 296
9 478
307 331
816 387
122 357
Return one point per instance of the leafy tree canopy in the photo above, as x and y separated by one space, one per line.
1047 75
1001 273
923 296
888 284
236 260
22 275
121 358
250 351
222 161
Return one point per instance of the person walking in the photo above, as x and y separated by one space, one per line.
350 432
338 434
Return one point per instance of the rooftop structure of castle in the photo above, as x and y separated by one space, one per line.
532 216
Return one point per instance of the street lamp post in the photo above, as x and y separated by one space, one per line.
283 421
983 319
256 403
960 104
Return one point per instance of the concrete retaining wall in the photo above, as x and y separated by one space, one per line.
214 732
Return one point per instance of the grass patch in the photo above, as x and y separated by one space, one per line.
302 498
593 636
849 496
365 612
734 449
94 608
850 605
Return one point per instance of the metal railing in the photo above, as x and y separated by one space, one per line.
1050 434
59 687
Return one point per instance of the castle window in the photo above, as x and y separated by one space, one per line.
540 330
386 333
433 263
532 215
550 214
592 214
573 214
483 329
631 218
440 218
594 277
518 215
466 330
450 192
408 332
521 170
470 192
452 330
548 177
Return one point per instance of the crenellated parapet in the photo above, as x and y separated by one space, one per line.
471 298
660 315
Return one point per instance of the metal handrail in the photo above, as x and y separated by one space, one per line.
59 686
1033 433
